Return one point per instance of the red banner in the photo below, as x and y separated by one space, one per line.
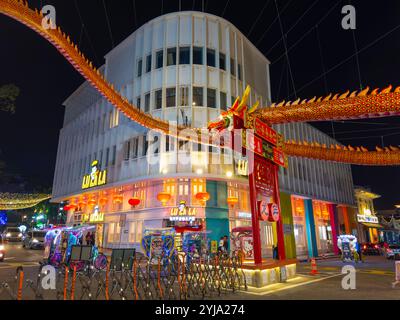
265 131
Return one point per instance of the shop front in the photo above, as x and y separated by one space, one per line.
323 227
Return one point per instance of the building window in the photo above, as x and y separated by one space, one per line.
211 98
158 99
114 118
155 145
147 102
135 231
197 55
240 72
223 103
138 102
159 59
222 61
171 95
184 96
139 67
148 63
114 232
198 185
211 57
233 67
184 55
171 56
169 144
197 96
114 155
127 150
145 146
107 156
135 147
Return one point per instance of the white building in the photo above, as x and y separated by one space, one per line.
184 67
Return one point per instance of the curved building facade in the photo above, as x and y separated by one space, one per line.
186 68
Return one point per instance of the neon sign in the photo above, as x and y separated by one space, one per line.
183 213
95 178
96 216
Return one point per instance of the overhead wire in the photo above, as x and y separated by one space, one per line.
349 57
226 6
292 27
285 46
86 32
108 23
258 17
272 23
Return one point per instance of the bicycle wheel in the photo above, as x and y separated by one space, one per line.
100 263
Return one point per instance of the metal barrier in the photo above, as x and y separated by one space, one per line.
179 277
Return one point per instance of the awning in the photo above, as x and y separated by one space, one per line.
372 225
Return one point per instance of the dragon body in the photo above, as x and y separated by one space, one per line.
334 107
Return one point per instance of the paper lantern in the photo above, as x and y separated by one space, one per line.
134 201
67 208
232 200
203 196
164 197
103 201
117 199
92 202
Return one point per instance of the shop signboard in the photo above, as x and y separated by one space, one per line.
367 218
183 213
96 216
95 178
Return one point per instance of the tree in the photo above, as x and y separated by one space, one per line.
8 95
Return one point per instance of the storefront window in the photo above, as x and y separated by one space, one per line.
114 232
135 231
171 56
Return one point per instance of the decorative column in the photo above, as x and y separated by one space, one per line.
310 228
346 220
279 223
334 226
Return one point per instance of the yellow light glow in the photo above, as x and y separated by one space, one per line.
229 174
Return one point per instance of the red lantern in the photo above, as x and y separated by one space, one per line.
134 201
203 196
67 208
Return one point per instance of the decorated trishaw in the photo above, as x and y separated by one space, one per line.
348 246
59 242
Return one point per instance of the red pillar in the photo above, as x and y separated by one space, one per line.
333 228
255 223
279 224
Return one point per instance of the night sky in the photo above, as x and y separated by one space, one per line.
322 59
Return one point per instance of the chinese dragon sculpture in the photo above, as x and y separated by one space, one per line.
355 105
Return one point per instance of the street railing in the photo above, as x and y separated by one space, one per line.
180 277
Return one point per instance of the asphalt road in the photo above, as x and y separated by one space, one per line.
15 254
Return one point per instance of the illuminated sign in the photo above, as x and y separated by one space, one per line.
95 178
244 215
96 216
183 213
367 218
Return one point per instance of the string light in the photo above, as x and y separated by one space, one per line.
18 201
